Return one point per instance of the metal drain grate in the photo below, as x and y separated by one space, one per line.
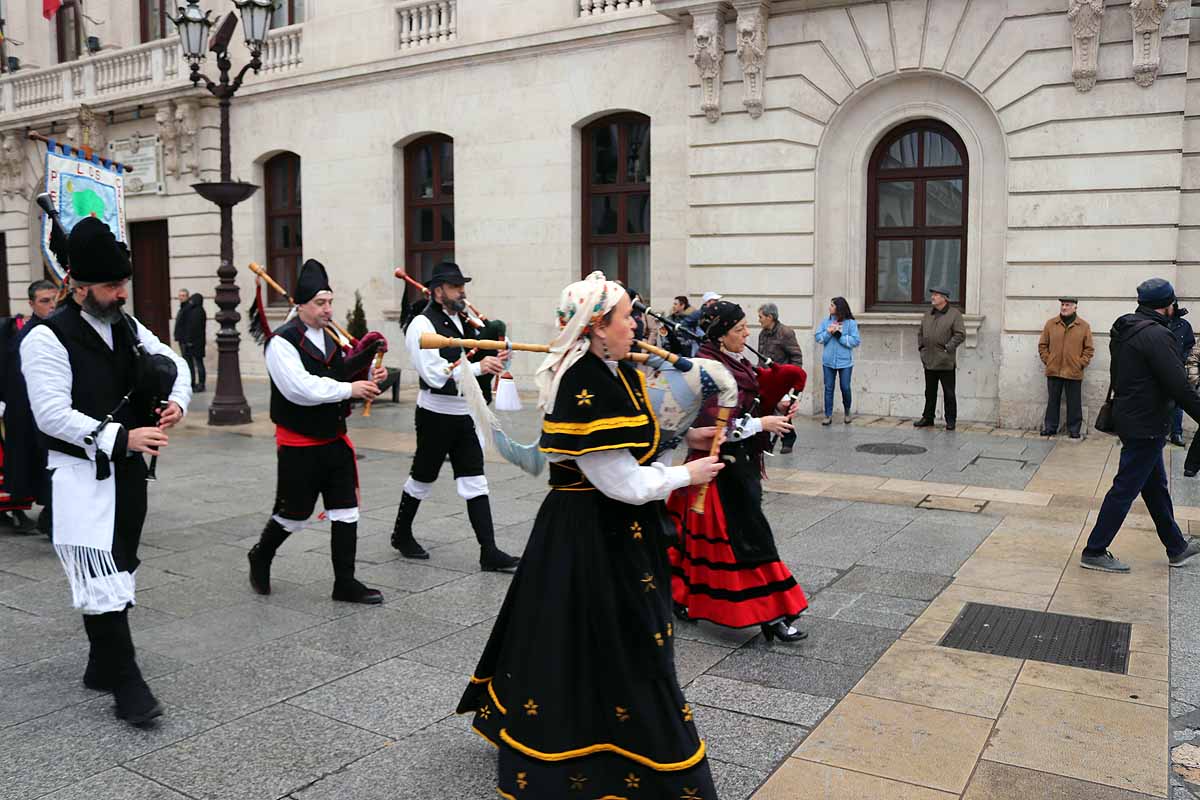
1054 638
890 449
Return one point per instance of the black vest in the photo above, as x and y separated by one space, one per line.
327 420
100 376
442 324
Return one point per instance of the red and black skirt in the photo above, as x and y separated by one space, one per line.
7 501
724 567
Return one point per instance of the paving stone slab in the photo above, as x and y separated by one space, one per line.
710 633
11 580
811 577
795 673
375 635
409 576
756 700
835 640
207 635
39 687
935 550
188 597
694 658
30 637
261 756
458 653
115 784
751 742
735 782
394 698
35 761
314 599
466 601
912 585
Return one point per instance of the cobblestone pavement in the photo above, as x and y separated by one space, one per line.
296 696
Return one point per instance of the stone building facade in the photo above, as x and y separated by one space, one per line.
801 149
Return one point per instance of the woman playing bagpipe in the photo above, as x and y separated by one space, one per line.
577 685
726 568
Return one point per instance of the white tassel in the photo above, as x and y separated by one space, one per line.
485 421
507 396
97 586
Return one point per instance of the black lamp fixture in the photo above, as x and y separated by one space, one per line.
93 44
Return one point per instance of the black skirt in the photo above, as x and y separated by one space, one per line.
577 685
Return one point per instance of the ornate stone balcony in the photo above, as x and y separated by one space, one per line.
427 22
130 71
595 8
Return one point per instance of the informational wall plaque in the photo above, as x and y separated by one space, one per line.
144 154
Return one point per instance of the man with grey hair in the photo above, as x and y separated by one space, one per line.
777 342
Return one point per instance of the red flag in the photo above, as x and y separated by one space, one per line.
50 8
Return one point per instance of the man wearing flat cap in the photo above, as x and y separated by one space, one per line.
1147 382
80 365
941 332
1066 349
443 422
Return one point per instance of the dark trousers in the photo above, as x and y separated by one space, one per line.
1054 388
441 435
1177 422
946 378
195 361
1140 471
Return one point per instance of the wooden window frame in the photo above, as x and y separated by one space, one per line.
290 210
919 233
622 189
72 8
439 246
163 18
290 5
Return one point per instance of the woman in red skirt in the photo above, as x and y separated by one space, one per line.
726 569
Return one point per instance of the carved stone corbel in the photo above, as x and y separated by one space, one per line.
12 164
187 130
708 30
164 119
86 129
1085 17
752 21
1147 37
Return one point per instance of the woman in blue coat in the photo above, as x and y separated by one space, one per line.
839 334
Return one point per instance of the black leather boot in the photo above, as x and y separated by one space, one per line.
134 702
98 674
343 544
491 558
263 552
402 535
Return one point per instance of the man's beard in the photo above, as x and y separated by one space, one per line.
455 306
105 312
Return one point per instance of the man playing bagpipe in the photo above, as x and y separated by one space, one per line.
103 390
312 383
444 425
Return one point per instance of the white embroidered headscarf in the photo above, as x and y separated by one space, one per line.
580 306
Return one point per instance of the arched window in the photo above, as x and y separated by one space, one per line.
428 206
616 199
285 243
917 215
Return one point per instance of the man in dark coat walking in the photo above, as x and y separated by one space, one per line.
1148 381
190 324
1185 340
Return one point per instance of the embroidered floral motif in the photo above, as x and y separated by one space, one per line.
584 398
531 708
632 781
521 782
636 529
623 714
577 782
485 711
648 582
658 639
670 630
687 712
691 794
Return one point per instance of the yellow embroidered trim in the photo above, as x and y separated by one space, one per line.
505 794
480 680
606 424
496 700
572 489
695 759
485 737
624 446
653 421
629 389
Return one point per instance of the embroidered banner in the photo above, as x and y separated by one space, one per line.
81 187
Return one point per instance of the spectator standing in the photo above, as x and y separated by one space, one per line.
1147 379
777 342
941 332
838 335
1066 349
1185 340
190 324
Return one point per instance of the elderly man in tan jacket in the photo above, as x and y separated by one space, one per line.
1066 349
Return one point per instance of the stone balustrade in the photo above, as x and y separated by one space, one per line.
426 22
594 8
154 65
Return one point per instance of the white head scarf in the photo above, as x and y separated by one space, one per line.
580 306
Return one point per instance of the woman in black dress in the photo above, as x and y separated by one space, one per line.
577 686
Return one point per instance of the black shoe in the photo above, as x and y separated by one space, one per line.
1047 433
1176 439
1076 435
782 631
783 451
681 613
135 703
410 548
261 555
950 426
402 536
352 591
17 522
496 560
96 677
1189 473
923 422
45 521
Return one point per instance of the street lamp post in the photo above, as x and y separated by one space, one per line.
229 406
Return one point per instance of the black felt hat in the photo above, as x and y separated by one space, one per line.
311 280
96 255
723 317
447 272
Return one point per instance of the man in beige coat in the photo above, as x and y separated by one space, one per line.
941 332
1066 349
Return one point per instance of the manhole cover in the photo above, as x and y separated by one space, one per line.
890 449
1054 638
